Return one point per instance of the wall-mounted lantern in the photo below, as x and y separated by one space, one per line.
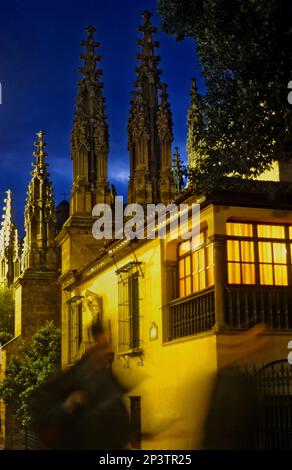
153 332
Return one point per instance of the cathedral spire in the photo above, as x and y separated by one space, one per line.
40 154
6 224
178 171
9 247
148 73
90 139
195 127
39 218
149 126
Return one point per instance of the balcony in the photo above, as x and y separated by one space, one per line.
249 305
191 315
245 306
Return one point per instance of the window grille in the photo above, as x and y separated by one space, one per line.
129 308
75 328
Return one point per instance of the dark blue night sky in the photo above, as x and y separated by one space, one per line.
40 48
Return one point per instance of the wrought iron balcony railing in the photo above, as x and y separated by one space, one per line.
249 305
191 315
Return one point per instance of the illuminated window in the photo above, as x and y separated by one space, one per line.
241 268
258 253
271 231
236 229
195 265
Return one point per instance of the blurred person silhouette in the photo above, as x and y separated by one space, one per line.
82 407
235 411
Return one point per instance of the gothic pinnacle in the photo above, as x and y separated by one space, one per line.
90 107
9 247
147 28
194 113
164 115
90 31
178 171
39 213
195 126
40 154
90 136
148 60
149 126
6 223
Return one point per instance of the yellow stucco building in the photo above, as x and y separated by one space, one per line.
168 308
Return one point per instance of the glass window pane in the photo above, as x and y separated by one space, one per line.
184 247
201 254
239 230
280 253
233 250
265 252
271 231
247 251
210 276
182 288
248 273
210 255
281 278
187 265
234 276
195 262
195 282
181 268
188 285
290 232
266 274
202 280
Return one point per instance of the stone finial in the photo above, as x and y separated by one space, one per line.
40 154
164 116
178 171
195 125
90 124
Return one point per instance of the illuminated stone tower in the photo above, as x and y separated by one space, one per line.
89 153
149 128
39 251
9 245
90 140
37 294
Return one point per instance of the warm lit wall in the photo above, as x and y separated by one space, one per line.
174 379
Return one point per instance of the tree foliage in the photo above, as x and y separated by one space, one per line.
244 48
38 359
6 315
